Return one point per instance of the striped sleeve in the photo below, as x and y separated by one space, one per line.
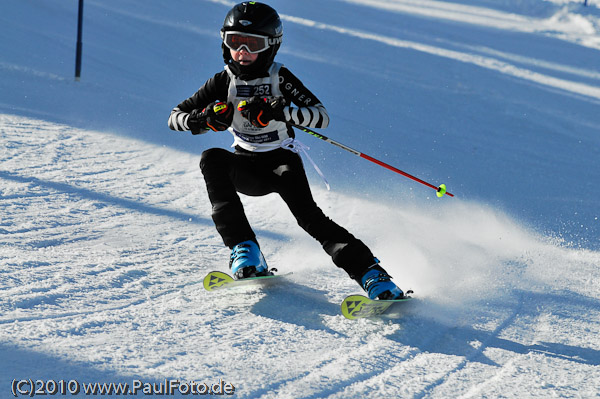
213 89
304 107
178 120
313 116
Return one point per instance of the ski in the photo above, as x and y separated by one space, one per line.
359 306
218 280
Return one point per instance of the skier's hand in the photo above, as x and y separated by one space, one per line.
217 116
260 111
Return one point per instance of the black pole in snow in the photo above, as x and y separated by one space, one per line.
79 42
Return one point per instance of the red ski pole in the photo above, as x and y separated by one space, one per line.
440 191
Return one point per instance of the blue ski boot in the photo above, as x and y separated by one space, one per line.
247 261
378 284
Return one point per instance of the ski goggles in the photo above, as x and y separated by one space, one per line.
253 43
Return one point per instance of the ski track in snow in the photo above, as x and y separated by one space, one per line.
487 62
106 240
562 24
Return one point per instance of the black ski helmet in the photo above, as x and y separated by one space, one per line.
259 19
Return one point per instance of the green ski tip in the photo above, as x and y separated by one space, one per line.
441 190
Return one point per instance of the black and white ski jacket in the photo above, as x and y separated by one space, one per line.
303 108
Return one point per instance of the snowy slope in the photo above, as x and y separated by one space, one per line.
106 230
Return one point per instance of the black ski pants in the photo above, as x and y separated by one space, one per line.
278 171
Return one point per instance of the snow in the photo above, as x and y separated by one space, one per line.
106 230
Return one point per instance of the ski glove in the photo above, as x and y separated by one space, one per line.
217 116
261 110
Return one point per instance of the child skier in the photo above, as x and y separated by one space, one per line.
255 98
